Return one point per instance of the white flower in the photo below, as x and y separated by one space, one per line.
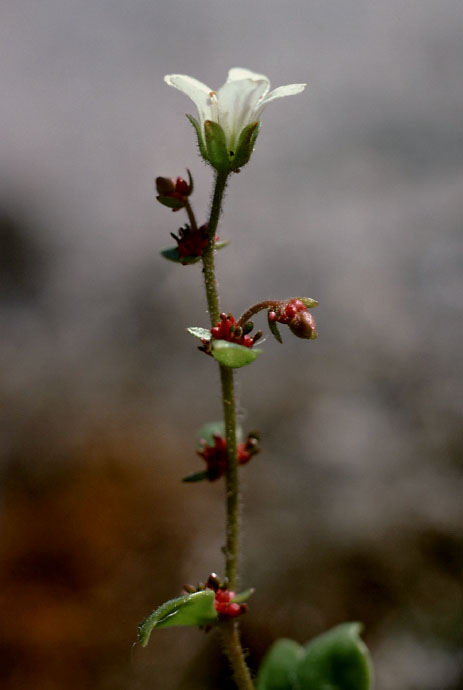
236 105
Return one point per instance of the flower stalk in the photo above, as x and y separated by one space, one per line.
229 629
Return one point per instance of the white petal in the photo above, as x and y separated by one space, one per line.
194 89
281 92
236 73
238 102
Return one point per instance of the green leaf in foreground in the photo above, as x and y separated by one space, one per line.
336 660
192 609
278 669
233 355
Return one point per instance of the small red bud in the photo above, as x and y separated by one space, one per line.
303 325
165 185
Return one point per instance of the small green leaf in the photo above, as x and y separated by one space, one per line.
278 669
192 609
170 202
196 477
199 332
309 302
199 134
243 596
274 330
171 253
336 660
211 429
233 355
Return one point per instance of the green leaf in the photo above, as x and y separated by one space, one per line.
192 609
170 202
274 330
233 355
336 660
211 429
171 253
199 134
199 332
196 477
278 669
243 596
309 302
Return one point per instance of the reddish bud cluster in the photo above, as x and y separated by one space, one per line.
171 188
226 329
191 243
225 606
216 457
296 315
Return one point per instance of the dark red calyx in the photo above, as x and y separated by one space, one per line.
216 457
227 329
191 243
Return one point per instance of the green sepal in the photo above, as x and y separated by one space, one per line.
309 302
196 477
335 660
211 429
191 609
171 254
216 146
199 332
170 202
199 134
245 145
243 596
233 355
278 668
274 330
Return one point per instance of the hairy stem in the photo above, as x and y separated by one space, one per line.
229 629
191 215
208 257
234 652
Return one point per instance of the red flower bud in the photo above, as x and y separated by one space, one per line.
165 185
173 193
226 329
303 325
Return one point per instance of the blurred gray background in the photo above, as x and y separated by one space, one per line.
353 196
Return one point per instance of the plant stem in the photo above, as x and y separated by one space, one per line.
257 308
234 652
229 629
208 256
